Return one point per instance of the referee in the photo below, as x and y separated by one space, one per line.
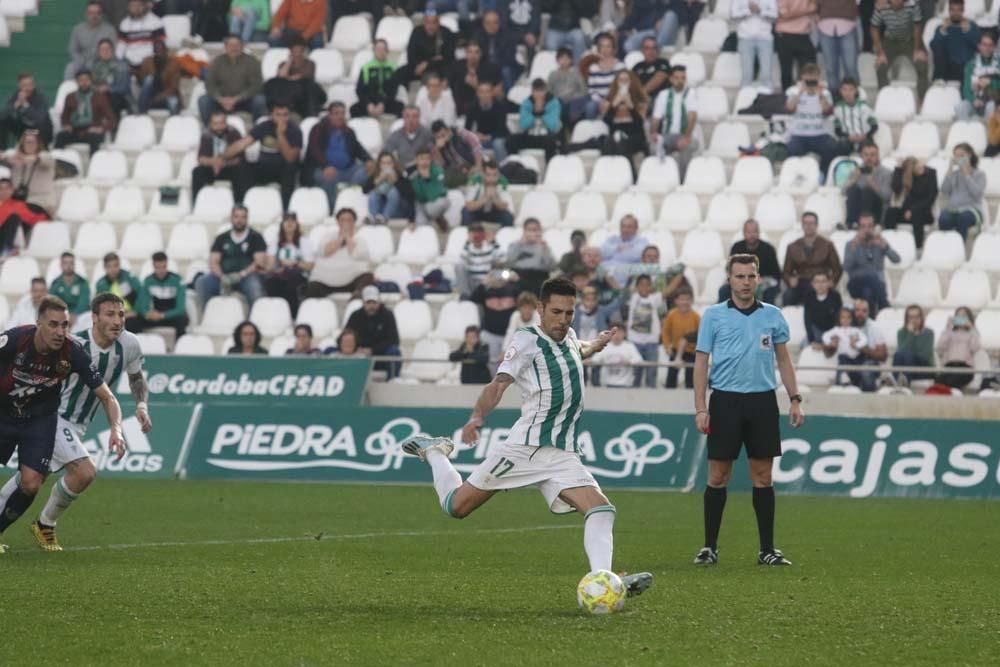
743 337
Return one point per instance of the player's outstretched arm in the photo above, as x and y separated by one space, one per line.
487 402
116 443
590 348
796 417
140 392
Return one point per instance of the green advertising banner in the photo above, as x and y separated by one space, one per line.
830 455
294 381
150 455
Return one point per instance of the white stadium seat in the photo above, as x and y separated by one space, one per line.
542 205
188 240
453 319
714 279
78 203
214 204
413 319
195 345
177 28
634 203
271 61
188 162
359 60
124 204
320 314
939 104
454 245
505 236
169 213
775 212
151 343
828 205
369 133
712 103
985 252
263 205
351 33
972 132
746 96
107 167
918 139
222 314
565 173
310 205
378 238
728 70
395 30
585 130
394 272
329 65
809 357
799 175
94 240
937 321
727 211
611 174
453 216
895 104
904 245
16 274
702 249
66 88
429 371
134 133
353 197
943 251
680 211
664 241
920 286
709 34
658 175
418 245
968 287
543 64
787 239
752 175
180 133
558 241
280 345
705 175
991 166
48 240
585 210
140 240
695 64
988 325
889 321
796 318
272 315
728 138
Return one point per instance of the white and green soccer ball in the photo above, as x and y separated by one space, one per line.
601 592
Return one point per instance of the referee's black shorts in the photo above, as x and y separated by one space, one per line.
737 419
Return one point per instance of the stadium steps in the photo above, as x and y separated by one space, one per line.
41 48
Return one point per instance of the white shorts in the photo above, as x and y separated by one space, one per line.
551 469
68 446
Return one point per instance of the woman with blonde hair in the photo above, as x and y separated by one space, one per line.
914 191
624 115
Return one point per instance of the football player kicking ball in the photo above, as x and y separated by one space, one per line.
546 363
112 349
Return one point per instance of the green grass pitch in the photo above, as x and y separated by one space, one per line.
211 573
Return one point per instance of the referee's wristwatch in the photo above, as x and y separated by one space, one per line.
796 398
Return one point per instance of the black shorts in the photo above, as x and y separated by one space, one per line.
33 438
743 419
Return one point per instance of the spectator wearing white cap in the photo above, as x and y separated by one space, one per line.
375 326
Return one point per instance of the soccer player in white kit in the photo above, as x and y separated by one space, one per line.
113 350
546 363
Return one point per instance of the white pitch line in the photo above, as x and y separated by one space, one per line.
322 537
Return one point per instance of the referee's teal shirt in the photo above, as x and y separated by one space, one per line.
741 343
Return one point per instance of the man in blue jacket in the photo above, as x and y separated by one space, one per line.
954 43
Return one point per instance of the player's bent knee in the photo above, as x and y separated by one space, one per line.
80 474
31 482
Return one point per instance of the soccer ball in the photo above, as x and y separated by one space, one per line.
601 592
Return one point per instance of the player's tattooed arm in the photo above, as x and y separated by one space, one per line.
485 404
116 441
140 392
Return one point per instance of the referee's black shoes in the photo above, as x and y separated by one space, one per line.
707 556
772 557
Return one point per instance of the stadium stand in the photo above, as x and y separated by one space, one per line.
134 197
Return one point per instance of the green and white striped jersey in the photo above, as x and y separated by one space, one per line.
79 404
550 376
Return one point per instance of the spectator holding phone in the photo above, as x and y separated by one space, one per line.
811 103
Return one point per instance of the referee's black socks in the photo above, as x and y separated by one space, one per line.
715 503
763 505
17 504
